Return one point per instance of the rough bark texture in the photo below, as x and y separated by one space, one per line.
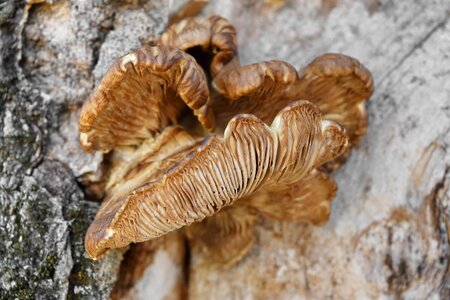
388 233
51 54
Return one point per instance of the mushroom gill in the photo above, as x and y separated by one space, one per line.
308 199
163 176
141 94
336 83
214 174
225 237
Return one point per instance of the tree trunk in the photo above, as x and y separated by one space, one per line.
388 232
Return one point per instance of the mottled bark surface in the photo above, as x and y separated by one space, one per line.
388 233
51 54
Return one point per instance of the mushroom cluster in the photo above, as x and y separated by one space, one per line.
200 142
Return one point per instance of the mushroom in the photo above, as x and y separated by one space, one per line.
162 194
165 177
336 83
211 41
225 237
141 94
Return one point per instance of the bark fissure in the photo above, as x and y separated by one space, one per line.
414 48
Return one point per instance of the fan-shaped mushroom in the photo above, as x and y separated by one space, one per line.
141 94
336 83
216 173
171 178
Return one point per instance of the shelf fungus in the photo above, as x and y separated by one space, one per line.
270 134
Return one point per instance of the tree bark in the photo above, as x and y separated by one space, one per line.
388 232
52 54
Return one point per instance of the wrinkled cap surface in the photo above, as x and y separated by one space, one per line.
336 83
142 93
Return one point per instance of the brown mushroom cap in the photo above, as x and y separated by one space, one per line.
212 41
225 237
336 83
177 191
262 89
142 93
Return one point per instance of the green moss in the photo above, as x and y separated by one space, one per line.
24 294
31 222
21 290
47 269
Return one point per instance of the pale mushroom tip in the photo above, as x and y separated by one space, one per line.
94 240
142 93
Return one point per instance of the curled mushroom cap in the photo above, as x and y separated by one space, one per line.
336 83
262 89
212 41
141 94
198 180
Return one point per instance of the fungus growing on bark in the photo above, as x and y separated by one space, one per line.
191 181
141 94
211 41
219 183
336 83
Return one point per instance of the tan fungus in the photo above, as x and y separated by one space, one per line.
141 94
217 172
225 237
212 41
336 83
164 177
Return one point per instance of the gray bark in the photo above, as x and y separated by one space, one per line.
52 52
388 233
